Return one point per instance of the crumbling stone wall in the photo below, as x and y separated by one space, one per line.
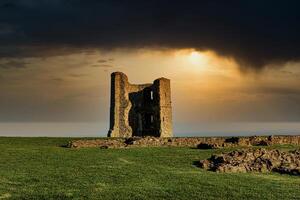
165 109
195 142
140 110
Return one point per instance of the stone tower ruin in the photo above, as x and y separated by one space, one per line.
140 110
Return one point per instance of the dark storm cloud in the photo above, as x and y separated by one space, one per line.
255 33
13 64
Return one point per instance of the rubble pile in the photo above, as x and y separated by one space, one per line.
259 160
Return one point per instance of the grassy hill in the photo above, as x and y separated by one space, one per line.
39 168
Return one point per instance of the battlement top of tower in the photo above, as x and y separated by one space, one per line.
123 75
118 73
162 79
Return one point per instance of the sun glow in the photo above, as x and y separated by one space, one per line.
196 58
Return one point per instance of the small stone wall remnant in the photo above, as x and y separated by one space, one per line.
195 142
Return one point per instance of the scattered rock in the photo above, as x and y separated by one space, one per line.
259 160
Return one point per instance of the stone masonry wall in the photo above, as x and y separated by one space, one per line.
196 142
119 106
165 108
123 116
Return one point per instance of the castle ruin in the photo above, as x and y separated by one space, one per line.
140 110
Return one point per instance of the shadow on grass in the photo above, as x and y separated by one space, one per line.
196 163
64 145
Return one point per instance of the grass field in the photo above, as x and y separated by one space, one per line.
38 168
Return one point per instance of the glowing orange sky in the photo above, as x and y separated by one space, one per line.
205 87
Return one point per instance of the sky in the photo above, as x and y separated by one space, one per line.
232 64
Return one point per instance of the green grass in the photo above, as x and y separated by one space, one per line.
38 168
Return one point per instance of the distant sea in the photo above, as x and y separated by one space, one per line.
100 129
